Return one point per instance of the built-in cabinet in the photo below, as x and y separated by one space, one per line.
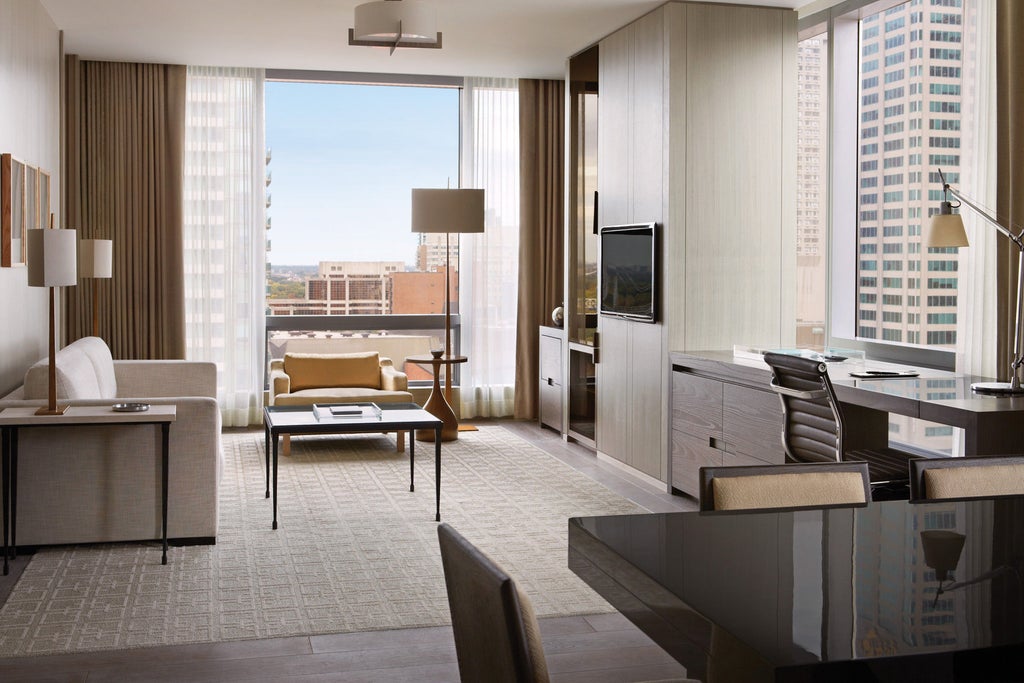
697 133
552 374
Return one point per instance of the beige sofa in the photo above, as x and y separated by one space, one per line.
87 484
308 378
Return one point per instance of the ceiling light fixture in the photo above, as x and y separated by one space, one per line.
394 24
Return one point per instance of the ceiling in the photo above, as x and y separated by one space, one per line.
512 38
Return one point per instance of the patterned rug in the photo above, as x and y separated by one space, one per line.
355 550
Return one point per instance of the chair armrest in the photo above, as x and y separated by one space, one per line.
392 379
165 378
280 383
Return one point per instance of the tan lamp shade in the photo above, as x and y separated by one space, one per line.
443 210
947 230
96 258
52 257
409 20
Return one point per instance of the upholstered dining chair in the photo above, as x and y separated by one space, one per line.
970 477
814 428
796 485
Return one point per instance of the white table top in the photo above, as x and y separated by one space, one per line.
26 417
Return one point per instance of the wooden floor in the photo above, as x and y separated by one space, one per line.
602 648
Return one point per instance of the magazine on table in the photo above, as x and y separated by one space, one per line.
346 411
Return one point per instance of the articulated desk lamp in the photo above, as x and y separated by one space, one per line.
947 230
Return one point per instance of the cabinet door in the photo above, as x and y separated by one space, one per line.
550 359
696 405
752 423
689 454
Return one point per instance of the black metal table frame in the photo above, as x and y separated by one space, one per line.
9 437
272 436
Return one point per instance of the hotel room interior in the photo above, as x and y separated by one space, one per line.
670 191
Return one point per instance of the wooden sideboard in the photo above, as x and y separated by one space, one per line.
722 414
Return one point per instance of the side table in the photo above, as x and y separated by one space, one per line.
437 405
12 419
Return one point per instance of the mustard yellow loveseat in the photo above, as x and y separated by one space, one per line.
308 378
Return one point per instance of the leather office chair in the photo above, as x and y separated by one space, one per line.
797 485
971 477
814 427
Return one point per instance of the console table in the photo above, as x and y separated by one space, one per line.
13 419
724 413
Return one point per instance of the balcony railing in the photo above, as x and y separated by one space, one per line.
393 336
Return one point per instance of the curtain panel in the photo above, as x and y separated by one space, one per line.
1010 171
488 261
542 192
123 147
224 234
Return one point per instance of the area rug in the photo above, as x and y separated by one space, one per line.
355 549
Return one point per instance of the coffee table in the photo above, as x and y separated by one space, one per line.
394 417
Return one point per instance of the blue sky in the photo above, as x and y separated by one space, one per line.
345 158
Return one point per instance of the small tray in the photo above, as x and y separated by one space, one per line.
130 407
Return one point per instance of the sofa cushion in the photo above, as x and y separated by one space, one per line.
315 370
85 369
341 395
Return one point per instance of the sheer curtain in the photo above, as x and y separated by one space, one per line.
976 303
489 261
224 238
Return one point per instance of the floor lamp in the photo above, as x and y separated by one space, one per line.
95 261
447 211
51 263
947 230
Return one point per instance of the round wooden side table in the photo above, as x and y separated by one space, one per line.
437 405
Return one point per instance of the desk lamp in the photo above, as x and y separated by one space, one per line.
947 230
51 263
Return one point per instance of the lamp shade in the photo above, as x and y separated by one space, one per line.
947 230
52 257
447 210
96 258
942 550
409 20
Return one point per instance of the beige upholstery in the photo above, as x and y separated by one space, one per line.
795 485
307 378
497 638
100 484
971 477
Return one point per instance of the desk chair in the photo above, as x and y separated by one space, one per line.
814 427
796 485
971 477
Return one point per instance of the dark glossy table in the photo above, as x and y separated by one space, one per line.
824 595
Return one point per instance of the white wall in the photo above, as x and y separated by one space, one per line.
29 129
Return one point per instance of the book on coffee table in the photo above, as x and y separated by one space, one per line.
341 411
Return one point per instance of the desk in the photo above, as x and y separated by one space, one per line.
439 404
992 425
837 595
12 419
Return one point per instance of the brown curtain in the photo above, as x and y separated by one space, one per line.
1010 166
541 217
124 142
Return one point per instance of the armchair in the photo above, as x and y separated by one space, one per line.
308 378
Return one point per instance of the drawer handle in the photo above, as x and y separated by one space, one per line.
551 381
717 444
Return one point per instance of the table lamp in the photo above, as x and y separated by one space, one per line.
947 230
447 211
51 263
95 261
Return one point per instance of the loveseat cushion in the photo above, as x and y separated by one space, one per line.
316 370
341 395
85 369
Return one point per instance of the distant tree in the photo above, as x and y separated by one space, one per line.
286 290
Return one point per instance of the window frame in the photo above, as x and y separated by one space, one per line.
841 25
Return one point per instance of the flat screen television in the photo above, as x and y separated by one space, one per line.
628 272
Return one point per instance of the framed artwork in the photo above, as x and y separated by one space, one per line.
12 211
44 199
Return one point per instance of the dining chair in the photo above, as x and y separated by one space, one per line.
814 428
970 477
496 632
795 485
